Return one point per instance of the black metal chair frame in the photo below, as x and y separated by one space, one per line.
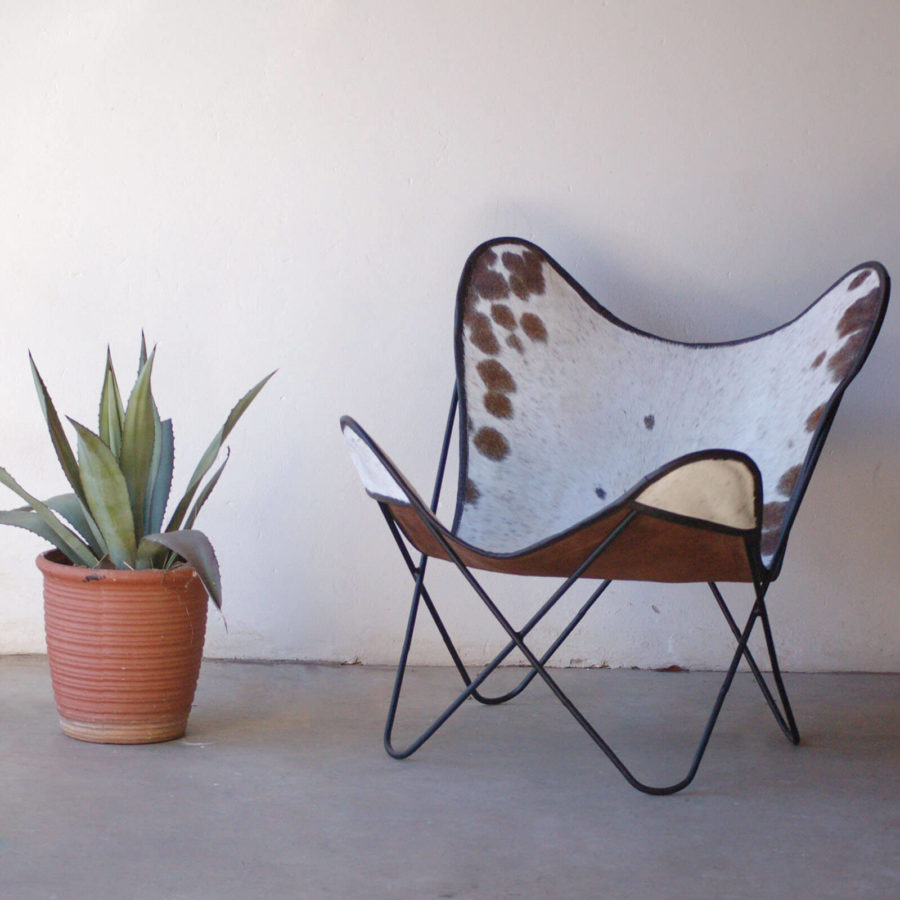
538 664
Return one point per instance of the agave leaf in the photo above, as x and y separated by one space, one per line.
107 496
193 547
57 435
142 360
28 519
153 469
160 478
64 538
112 413
74 512
138 440
203 496
209 457
151 555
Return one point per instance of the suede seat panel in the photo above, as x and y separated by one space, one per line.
650 549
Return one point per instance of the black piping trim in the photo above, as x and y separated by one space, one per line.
666 515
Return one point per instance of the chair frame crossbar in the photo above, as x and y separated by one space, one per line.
538 664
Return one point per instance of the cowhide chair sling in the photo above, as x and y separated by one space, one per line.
589 449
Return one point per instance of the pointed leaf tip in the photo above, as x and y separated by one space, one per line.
212 452
139 441
61 445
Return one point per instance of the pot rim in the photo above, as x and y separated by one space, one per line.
54 563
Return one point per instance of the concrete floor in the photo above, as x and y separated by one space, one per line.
281 790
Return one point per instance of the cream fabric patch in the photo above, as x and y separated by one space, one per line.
715 490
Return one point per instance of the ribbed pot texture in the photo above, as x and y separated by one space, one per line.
125 649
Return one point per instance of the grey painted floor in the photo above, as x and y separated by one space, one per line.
281 789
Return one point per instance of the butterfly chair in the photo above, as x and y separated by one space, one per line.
589 449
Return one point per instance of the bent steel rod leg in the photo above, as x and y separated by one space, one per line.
421 591
471 688
517 640
787 725
414 571
545 657
761 583
445 449
419 573
404 655
610 753
793 733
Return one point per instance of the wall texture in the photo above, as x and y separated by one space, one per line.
297 184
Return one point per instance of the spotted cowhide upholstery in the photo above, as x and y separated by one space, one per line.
566 412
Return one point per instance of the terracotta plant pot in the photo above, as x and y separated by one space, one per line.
124 649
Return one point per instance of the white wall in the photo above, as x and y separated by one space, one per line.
290 184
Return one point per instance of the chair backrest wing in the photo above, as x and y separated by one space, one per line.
564 408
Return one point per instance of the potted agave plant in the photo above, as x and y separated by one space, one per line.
125 596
